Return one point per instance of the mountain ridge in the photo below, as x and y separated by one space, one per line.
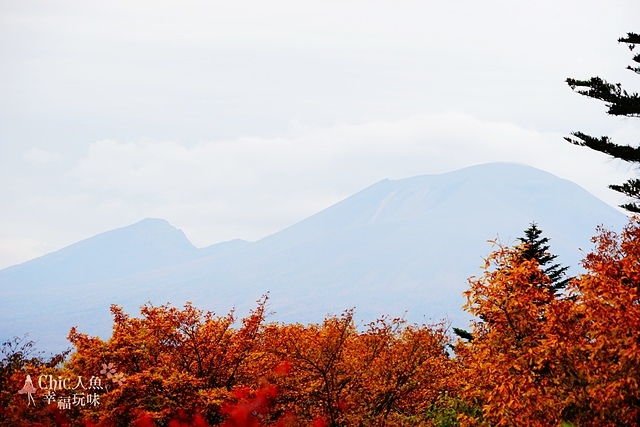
111 254
397 245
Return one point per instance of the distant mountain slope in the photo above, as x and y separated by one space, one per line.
397 245
143 246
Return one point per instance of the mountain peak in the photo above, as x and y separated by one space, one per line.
152 223
147 244
449 197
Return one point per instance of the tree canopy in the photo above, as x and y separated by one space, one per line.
619 102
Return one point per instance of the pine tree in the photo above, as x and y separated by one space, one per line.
619 103
537 247
534 246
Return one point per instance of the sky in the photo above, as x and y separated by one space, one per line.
238 119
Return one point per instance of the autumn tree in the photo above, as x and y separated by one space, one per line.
505 377
601 329
19 358
320 375
171 359
619 102
540 360
181 366
16 353
534 247
389 374
406 373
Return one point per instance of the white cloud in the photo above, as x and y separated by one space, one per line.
250 187
42 157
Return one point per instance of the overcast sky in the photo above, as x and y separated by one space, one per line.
235 119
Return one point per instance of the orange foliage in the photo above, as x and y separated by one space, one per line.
385 375
180 367
540 360
536 358
173 359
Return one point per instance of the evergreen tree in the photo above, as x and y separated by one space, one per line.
537 247
534 246
619 103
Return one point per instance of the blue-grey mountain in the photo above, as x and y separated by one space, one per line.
399 247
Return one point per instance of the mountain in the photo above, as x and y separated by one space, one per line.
399 247
144 246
